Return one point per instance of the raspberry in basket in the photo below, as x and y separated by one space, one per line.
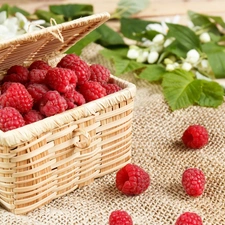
120 217
61 79
132 180
99 73
75 97
52 103
111 88
37 76
32 116
193 181
10 119
37 91
195 137
189 218
18 97
92 90
79 66
17 73
39 64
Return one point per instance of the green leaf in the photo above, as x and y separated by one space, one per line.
46 15
184 35
119 53
127 8
109 37
131 28
152 73
211 95
177 49
216 61
11 10
72 11
77 48
181 89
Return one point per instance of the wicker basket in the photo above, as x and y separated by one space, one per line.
52 157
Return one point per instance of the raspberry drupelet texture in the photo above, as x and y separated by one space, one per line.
37 91
18 97
132 180
195 137
111 88
37 76
79 66
92 90
61 79
189 218
99 73
193 181
39 64
10 119
120 217
52 103
75 97
16 73
32 116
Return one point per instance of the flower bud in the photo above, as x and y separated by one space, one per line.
168 42
167 61
204 37
158 39
153 57
170 67
155 26
205 64
142 57
186 66
133 52
192 56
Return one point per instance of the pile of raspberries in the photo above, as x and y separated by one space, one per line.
30 94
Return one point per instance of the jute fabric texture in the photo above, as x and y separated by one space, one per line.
158 149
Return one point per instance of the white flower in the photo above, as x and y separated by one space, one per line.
205 64
186 66
3 17
156 27
153 57
192 56
133 52
170 67
143 56
199 76
168 42
204 37
146 42
158 39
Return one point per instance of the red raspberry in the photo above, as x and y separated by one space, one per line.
5 86
193 181
10 119
195 137
132 180
32 116
67 59
75 97
18 97
17 73
52 103
120 217
39 64
79 66
92 90
37 91
111 88
99 73
37 76
189 218
61 79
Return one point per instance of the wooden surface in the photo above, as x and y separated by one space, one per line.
157 9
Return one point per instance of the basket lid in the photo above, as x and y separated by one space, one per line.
48 42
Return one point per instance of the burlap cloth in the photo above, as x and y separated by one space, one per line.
158 149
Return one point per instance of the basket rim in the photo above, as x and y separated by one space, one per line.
26 133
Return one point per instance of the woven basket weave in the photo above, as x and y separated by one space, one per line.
49 158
